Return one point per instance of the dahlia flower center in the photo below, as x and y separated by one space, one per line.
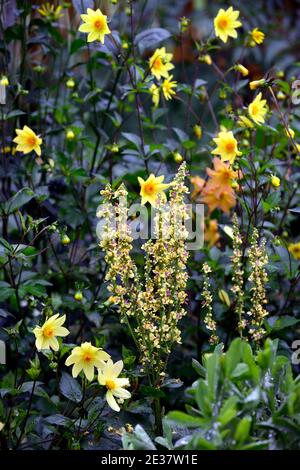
31 140
87 357
48 331
98 24
223 23
230 147
110 384
149 188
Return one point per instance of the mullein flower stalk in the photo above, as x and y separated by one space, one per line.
152 304
238 276
258 259
207 297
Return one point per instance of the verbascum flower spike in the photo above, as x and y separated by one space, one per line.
207 297
258 259
238 276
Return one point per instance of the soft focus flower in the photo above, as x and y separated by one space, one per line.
95 23
154 90
258 109
257 36
8 149
47 333
197 131
4 80
221 176
226 23
70 83
226 146
50 12
108 375
160 63
151 188
70 134
257 83
168 88
86 357
243 70
198 184
290 132
243 121
27 141
275 181
294 249
223 200
211 233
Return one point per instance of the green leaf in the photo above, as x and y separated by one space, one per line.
76 45
147 391
183 419
70 388
242 430
17 200
198 368
240 370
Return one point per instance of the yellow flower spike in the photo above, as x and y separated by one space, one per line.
27 140
46 335
257 36
257 109
4 81
151 188
226 23
242 69
275 181
154 90
226 146
108 376
84 358
95 24
290 132
168 88
160 63
257 84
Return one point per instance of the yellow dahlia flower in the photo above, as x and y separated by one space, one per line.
108 375
95 23
226 146
27 141
168 88
226 23
46 335
86 357
294 249
258 109
151 188
160 63
257 36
